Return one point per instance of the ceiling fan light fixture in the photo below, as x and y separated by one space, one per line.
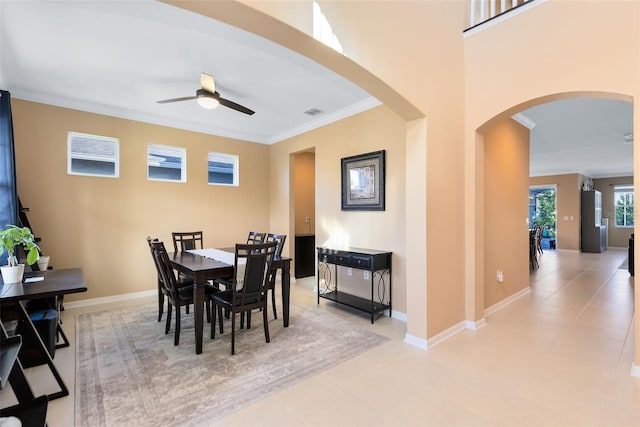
208 102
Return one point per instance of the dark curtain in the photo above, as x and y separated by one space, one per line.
8 190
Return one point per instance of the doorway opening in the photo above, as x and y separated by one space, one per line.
542 213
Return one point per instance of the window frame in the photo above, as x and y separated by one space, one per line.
233 159
163 150
623 189
100 143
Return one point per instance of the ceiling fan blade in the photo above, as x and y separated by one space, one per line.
234 106
184 98
207 83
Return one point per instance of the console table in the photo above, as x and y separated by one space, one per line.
377 263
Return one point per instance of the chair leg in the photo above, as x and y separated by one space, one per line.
233 333
220 318
266 324
213 322
168 324
248 319
273 302
187 308
208 308
160 303
176 337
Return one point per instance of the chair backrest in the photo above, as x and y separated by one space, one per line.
155 262
256 238
184 241
165 270
251 270
279 239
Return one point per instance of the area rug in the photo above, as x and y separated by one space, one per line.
128 372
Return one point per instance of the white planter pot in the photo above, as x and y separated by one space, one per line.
43 262
12 274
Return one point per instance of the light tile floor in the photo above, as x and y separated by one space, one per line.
560 356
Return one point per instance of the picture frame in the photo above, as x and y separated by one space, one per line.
363 182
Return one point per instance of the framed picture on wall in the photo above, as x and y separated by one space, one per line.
363 182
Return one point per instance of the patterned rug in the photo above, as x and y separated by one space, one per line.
128 372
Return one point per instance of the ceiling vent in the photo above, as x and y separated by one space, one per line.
313 111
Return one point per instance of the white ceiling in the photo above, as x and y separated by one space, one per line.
119 57
584 136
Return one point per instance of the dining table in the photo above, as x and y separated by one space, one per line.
199 265
38 285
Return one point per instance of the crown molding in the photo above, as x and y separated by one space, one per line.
524 120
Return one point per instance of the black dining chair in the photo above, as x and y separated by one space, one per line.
177 296
183 281
256 238
249 289
279 239
186 240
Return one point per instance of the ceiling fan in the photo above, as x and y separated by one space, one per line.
208 97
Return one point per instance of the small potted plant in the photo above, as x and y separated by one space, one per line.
11 237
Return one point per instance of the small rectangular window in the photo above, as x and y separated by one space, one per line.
92 155
223 169
166 163
623 201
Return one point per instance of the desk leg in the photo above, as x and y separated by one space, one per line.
198 312
44 354
286 293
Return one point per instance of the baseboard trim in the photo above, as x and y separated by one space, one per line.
635 370
107 300
497 306
474 326
399 315
415 341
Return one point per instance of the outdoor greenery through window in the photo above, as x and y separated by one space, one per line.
542 210
623 203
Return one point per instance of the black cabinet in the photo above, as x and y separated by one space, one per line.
377 263
305 260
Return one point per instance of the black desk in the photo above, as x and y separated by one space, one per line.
203 269
55 283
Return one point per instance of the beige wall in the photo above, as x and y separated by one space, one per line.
514 65
618 237
373 130
304 181
100 224
568 189
506 248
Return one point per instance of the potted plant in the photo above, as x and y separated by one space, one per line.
11 237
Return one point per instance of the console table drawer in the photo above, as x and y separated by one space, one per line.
343 260
361 262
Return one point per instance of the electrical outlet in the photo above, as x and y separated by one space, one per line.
349 272
366 275
307 219
499 276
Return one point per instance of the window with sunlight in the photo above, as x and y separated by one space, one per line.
322 30
623 204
